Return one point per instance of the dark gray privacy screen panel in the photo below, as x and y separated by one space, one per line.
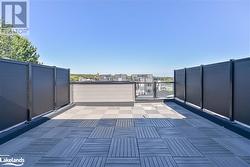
217 88
62 87
193 85
43 90
180 83
13 94
242 91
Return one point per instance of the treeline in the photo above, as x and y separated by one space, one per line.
77 77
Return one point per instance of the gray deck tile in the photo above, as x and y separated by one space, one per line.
179 123
158 162
58 132
161 123
181 147
15 145
70 123
246 159
88 162
80 132
123 162
95 147
146 132
67 147
124 132
193 162
125 123
106 122
88 123
169 132
210 147
124 147
229 162
102 132
153 147
39 147
36 132
143 122
239 146
53 162
199 123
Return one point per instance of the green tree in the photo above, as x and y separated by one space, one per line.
16 47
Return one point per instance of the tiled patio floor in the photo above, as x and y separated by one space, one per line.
146 135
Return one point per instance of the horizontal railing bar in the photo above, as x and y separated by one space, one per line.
153 82
102 82
115 82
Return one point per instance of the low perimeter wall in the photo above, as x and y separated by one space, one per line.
103 93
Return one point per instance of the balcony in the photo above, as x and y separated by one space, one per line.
116 124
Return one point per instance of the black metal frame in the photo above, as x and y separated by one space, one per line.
154 83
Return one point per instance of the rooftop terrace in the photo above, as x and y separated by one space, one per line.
143 135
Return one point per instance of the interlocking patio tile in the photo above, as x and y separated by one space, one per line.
210 147
102 132
53 162
121 132
79 132
158 162
125 123
106 122
95 147
68 147
169 132
124 147
153 147
123 162
88 123
88 162
161 123
246 159
193 162
239 146
181 147
39 147
58 132
143 122
146 132
229 162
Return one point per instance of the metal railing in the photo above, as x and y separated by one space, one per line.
154 90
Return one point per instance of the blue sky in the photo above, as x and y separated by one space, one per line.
139 36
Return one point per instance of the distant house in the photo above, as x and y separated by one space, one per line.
145 89
120 77
105 77
142 77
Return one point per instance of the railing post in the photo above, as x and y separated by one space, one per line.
174 84
69 92
29 94
185 85
231 110
54 88
202 81
135 89
154 89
